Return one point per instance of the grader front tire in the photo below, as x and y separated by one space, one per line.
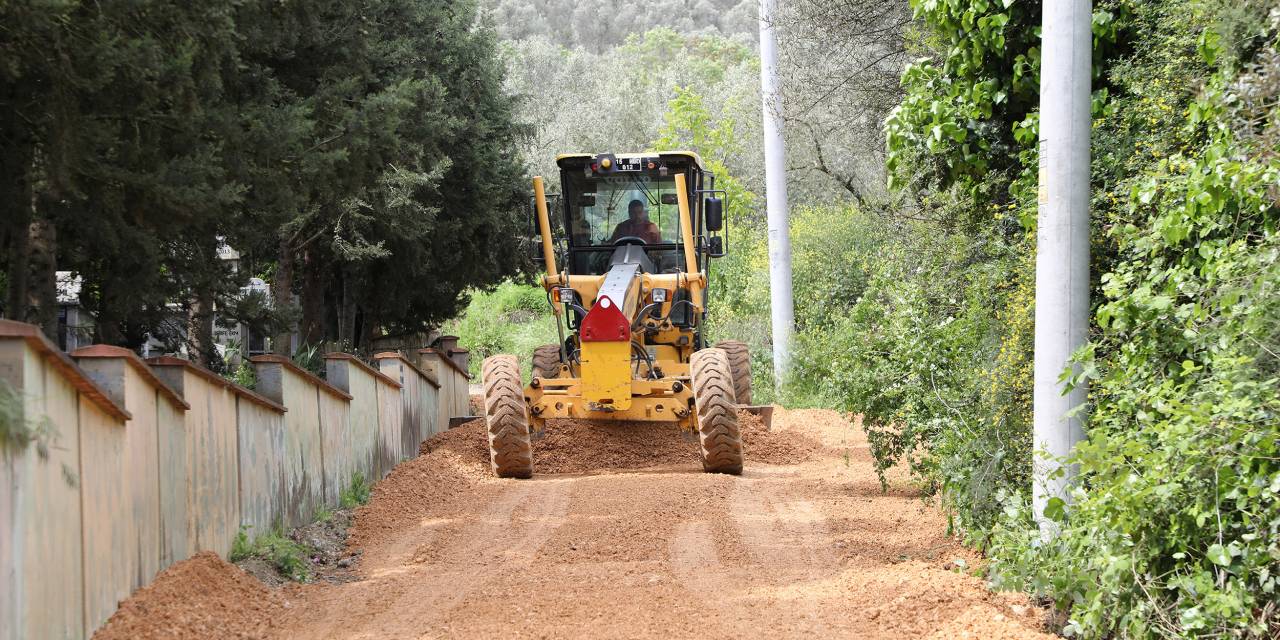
740 367
721 443
507 418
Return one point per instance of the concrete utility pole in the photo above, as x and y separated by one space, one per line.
775 173
1062 244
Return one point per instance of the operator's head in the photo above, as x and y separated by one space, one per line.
636 211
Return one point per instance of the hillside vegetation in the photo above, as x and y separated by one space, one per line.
1176 520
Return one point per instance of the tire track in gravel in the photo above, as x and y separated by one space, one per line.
416 591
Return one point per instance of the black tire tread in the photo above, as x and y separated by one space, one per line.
546 361
739 367
718 436
506 418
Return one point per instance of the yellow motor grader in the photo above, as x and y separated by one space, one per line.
638 232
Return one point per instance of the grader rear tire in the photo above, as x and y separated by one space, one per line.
721 444
740 366
507 418
546 361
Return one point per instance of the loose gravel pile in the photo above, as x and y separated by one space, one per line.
203 597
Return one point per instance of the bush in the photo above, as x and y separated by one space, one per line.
1175 529
288 557
513 319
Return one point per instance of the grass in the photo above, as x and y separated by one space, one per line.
287 556
356 493
324 513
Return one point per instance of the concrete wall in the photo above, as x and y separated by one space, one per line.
419 394
455 382
108 526
263 453
175 541
390 427
303 469
148 463
40 542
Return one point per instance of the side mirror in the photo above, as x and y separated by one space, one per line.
669 198
587 200
713 209
715 247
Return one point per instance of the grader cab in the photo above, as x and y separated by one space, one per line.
628 283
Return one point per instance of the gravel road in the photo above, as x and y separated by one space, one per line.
620 534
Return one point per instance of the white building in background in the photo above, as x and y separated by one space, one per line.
75 326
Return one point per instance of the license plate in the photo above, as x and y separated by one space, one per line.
629 164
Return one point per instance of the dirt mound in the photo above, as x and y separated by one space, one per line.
457 460
780 445
201 597
575 446
447 466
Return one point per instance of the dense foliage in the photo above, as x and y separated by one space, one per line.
513 318
1176 526
1176 518
358 155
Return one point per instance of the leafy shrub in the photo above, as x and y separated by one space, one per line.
935 353
1175 529
287 556
309 357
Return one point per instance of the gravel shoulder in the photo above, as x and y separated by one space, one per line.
621 534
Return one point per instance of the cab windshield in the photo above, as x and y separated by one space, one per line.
603 210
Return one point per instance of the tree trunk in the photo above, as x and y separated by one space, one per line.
347 310
16 269
313 307
282 297
369 332
42 292
200 346
15 218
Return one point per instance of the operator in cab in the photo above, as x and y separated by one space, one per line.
637 225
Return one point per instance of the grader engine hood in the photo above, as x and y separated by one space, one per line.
606 340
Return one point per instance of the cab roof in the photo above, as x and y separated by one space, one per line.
686 155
